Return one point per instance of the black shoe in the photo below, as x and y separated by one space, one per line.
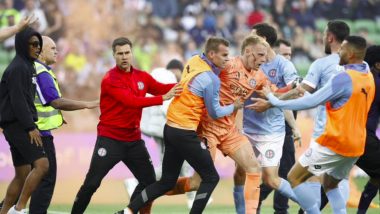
300 211
1 204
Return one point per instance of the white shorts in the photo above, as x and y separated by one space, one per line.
320 159
268 148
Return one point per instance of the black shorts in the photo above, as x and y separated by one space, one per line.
369 162
23 152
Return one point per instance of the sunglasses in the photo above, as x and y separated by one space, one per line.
35 44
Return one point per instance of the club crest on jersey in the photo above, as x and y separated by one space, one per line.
102 152
140 85
272 73
308 152
252 83
269 154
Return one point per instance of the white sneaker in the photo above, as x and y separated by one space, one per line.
13 210
130 184
125 211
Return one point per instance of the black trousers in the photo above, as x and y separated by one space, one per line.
107 153
280 202
369 162
42 195
181 145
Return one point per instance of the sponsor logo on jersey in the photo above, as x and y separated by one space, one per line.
140 85
308 152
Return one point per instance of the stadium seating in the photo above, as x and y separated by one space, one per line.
5 59
302 68
321 24
367 24
374 39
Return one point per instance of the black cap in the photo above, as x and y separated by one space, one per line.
174 64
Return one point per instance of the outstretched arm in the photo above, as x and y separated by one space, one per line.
338 86
72 105
156 88
7 32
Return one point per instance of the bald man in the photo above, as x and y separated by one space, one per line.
49 103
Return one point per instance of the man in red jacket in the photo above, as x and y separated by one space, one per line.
122 98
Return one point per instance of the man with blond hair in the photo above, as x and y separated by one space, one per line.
201 93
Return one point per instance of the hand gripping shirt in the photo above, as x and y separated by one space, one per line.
348 97
236 83
281 72
201 87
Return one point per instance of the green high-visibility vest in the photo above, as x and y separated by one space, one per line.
48 117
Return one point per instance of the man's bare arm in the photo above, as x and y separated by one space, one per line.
7 32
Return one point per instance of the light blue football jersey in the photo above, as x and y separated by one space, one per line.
280 72
320 71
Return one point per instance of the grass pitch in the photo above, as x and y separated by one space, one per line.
222 204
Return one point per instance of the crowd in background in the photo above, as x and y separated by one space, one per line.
165 29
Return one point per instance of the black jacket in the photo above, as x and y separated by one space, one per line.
18 85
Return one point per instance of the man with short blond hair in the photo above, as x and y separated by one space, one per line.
266 131
201 93
238 80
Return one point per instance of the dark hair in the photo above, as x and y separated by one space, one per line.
267 31
339 28
212 44
282 41
359 44
175 64
372 55
120 42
